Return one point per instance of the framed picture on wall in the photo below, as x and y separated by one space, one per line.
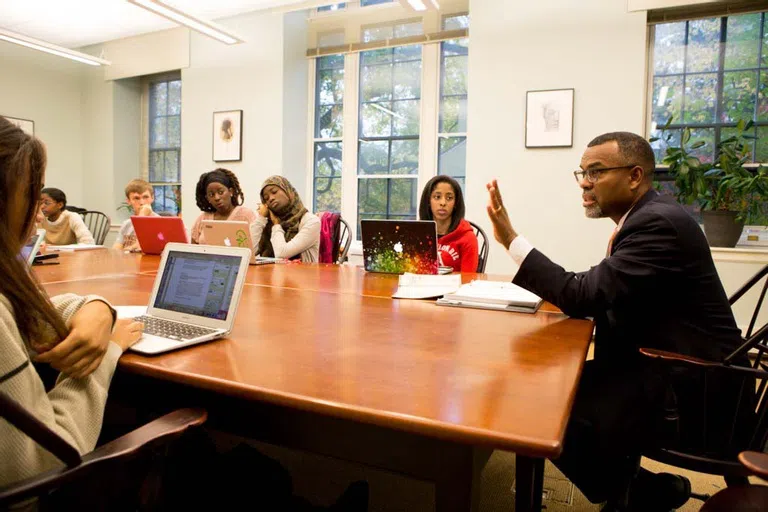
549 118
25 124
228 136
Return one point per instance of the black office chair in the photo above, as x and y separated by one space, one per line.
145 443
482 252
98 224
344 241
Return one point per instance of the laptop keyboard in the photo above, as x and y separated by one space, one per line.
172 330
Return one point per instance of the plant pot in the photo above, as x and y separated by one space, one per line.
721 228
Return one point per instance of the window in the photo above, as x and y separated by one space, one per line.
164 164
332 7
388 142
452 130
328 131
366 3
707 75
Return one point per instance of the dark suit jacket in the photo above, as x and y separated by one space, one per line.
659 288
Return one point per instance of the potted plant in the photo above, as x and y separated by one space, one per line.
728 193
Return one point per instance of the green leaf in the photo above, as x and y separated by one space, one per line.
698 144
686 136
653 139
683 169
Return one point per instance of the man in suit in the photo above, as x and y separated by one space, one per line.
657 287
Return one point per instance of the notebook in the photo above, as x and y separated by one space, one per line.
194 298
499 295
30 249
154 232
232 233
400 246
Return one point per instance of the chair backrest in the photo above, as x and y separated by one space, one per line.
482 247
75 209
98 225
754 280
345 240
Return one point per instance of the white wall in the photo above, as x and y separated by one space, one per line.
246 77
593 46
47 89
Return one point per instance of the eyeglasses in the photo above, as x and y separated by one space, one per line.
593 175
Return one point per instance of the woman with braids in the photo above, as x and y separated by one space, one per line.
219 195
70 333
284 228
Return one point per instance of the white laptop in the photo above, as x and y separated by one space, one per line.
30 249
195 296
232 233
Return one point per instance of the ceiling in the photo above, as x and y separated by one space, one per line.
76 23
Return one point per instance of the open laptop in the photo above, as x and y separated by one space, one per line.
399 246
232 233
194 298
31 248
154 232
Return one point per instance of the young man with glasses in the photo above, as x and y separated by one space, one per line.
657 287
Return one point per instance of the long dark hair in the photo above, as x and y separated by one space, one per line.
22 164
226 178
425 209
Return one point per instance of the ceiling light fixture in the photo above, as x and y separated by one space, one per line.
60 51
417 5
207 28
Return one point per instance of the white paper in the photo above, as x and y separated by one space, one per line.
130 311
426 286
73 247
496 292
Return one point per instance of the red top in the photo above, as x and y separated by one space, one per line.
458 249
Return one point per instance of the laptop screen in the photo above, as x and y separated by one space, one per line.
27 249
198 284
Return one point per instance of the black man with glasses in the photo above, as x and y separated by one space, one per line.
657 287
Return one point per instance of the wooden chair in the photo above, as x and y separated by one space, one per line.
482 249
98 224
344 241
747 498
762 273
148 440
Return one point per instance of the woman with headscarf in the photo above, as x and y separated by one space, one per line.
283 227
219 196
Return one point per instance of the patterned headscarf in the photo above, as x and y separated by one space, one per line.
289 218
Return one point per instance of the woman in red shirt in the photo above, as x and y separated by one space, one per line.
443 202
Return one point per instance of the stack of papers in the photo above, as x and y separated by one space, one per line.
493 295
424 286
73 247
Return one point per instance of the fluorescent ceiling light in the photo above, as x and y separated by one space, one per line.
60 51
417 5
208 28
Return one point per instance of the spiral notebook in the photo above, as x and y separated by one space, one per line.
499 295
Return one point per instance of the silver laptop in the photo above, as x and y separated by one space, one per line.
31 248
195 296
233 233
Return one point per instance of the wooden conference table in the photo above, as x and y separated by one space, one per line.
322 359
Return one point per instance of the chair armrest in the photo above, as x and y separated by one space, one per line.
756 462
679 358
155 433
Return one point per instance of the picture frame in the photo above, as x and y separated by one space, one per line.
27 125
228 136
549 118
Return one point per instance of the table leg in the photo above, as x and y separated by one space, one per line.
457 487
530 483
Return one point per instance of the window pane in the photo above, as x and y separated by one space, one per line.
156 166
703 45
366 3
333 7
159 133
376 119
453 115
739 91
330 39
382 56
167 198
376 83
377 33
171 174
730 132
743 41
456 47
765 40
327 195
158 99
327 183
667 99
669 48
373 157
328 159
706 153
406 53
456 22
174 97
330 62
405 156
330 121
391 198
406 117
174 131
761 153
668 138
452 159
455 75
700 97
330 86
408 29
762 96
407 80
